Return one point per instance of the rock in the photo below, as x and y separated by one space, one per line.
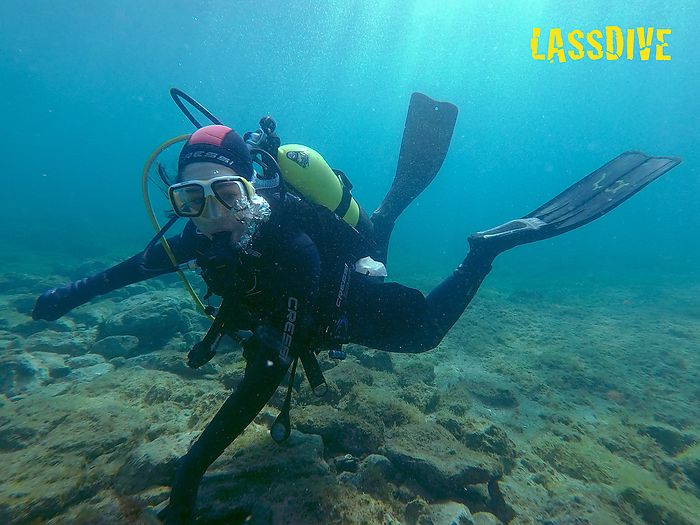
18 323
346 463
71 343
491 439
70 456
54 363
21 283
157 393
14 433
374 475
375 359
691 468
262 463
457 398
26 326
15 437
95 313
85 361
151 317
341 431
414 509
495 396
370 475
447 513
306 395
381 402
420 395
670 440
88 267
348 374
443 465
153 463
118 361
485 518
88 373
170 361
10 341
94 426
414 370
569 459
116 346
254 486
20 372
380 464
24 304
652 510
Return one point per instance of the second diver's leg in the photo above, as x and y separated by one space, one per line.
262 377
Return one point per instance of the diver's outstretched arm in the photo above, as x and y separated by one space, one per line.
56 302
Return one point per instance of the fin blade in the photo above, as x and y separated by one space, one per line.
603 190
590 198
426 139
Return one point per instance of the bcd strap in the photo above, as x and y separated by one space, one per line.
282 428
313 373
343 178
344 204
205 350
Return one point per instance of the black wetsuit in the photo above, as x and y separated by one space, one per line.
281 279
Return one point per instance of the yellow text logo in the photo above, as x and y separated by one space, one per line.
612 43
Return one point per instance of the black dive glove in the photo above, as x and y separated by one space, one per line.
54 303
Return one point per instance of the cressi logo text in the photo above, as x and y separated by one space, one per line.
609 43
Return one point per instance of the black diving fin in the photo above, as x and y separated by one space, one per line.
590 198
426 139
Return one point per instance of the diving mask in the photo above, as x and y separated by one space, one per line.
189 198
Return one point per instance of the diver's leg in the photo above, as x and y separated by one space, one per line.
585 201
260 381
448 300
399 319
396 318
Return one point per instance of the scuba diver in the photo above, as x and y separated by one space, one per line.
298 274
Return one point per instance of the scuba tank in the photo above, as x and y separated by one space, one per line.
310 175
307 174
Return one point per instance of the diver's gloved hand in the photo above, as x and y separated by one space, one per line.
55 303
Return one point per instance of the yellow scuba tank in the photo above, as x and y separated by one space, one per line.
310 175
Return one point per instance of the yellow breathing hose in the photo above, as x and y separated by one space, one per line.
157 226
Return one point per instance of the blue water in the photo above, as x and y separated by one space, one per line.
84 99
